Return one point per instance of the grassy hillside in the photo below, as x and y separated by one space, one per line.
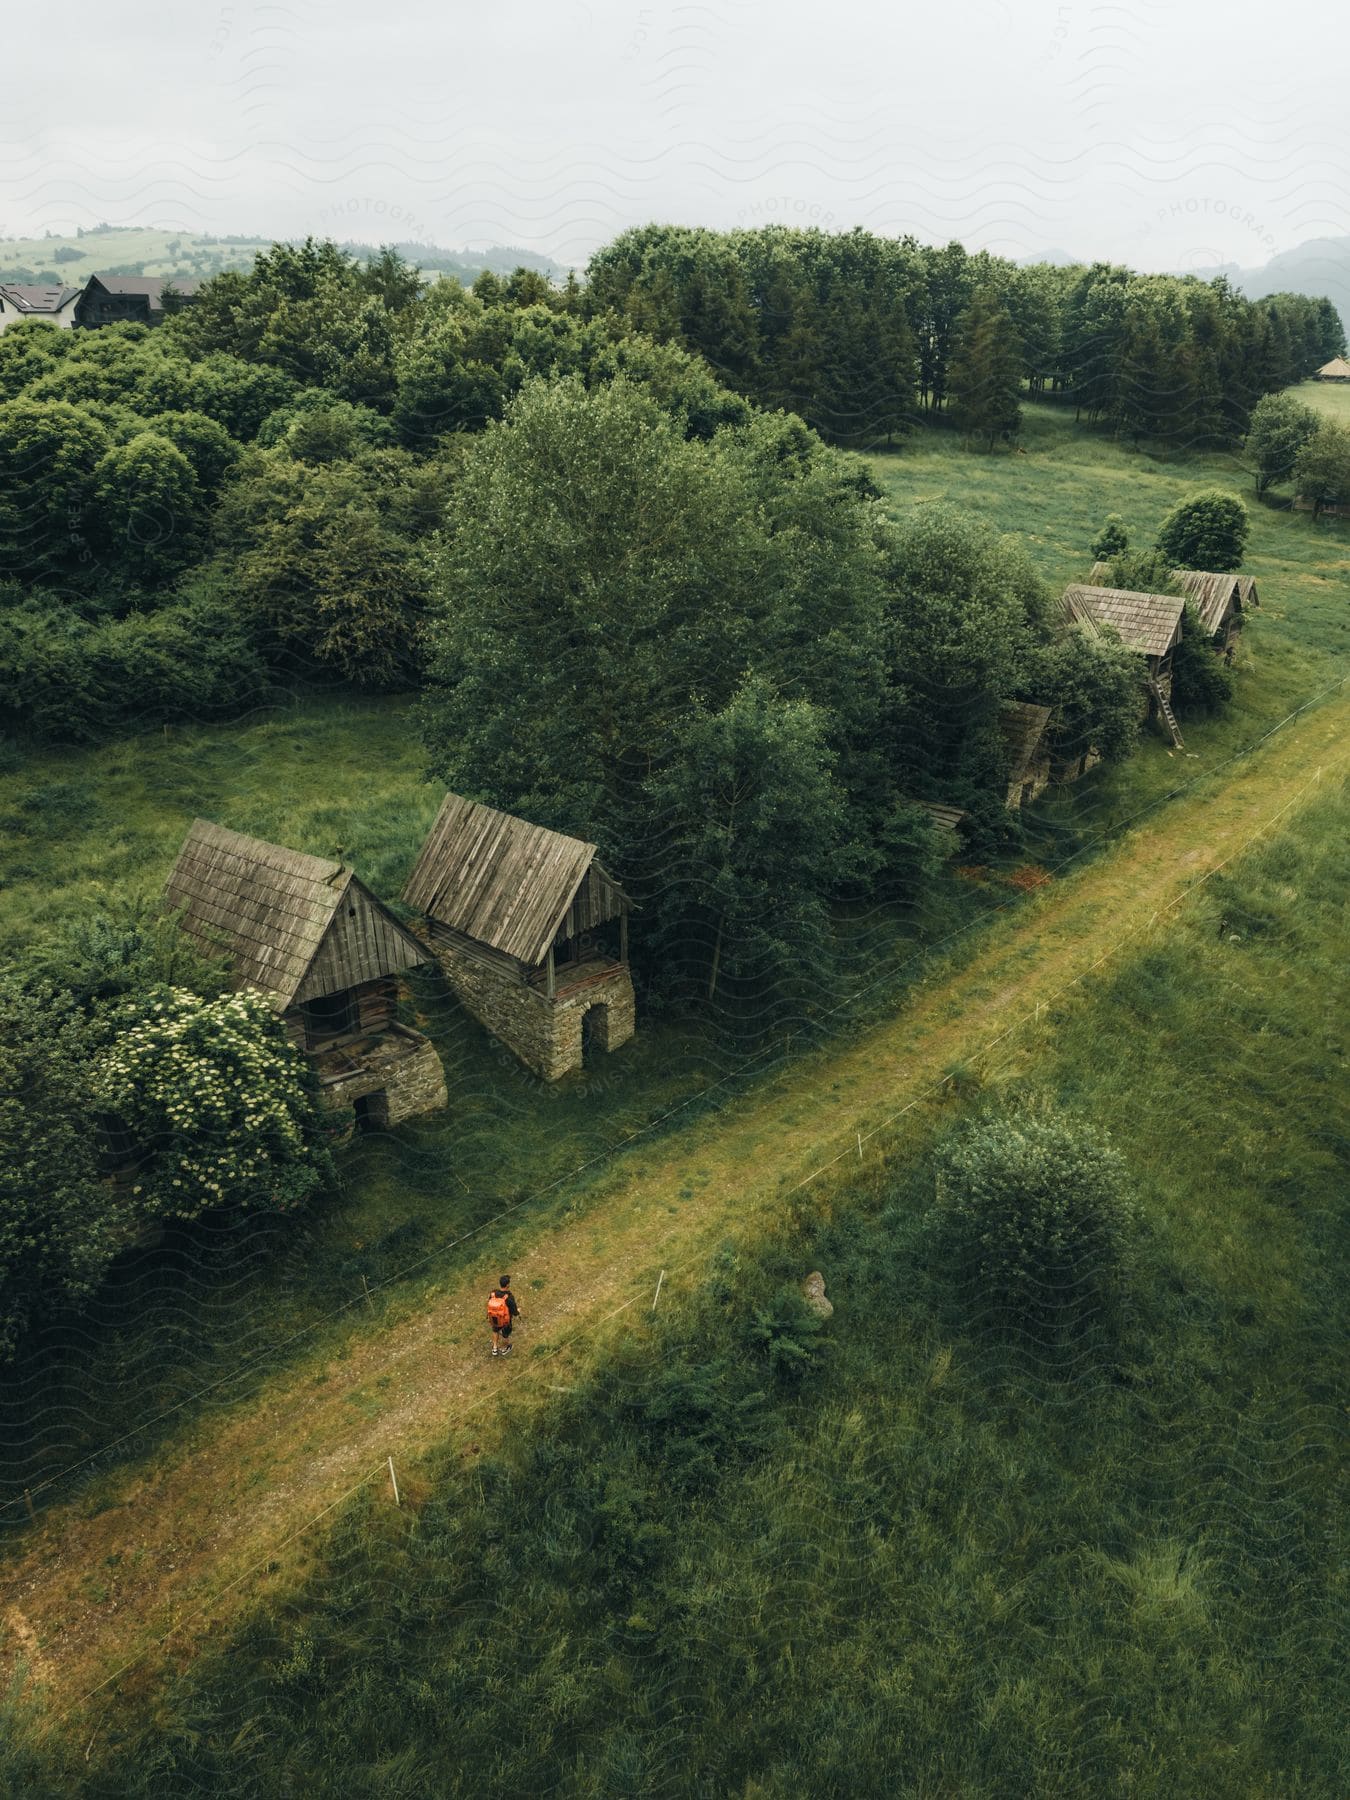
1329 397
133 250
906 1554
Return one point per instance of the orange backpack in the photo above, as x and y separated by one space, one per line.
499 1313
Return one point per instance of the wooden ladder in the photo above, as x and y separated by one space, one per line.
1165 708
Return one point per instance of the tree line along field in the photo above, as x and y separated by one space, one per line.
92 827
905 1552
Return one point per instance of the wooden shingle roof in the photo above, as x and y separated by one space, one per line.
293 925
1147 623
503 882
1247 589
1022 726
1338 369
1214 596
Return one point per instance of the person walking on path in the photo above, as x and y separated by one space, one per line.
504 1283
499 1318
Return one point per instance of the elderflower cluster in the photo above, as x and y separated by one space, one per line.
213 1092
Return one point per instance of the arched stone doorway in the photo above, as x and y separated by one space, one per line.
594 1032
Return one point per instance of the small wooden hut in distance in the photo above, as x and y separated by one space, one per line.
326 954
1338 369
1023 728
1149 624
1221 602
531 932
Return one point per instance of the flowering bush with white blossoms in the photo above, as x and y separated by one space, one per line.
217 1100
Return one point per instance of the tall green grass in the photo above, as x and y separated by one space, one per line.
900 1555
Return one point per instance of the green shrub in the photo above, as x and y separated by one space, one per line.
1037 1214
1200 681
1112 540
1207 531
217 1100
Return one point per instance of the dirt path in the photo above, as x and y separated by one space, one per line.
189 1538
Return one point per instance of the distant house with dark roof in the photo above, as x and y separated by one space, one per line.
130 299
314 940
531 932
24 300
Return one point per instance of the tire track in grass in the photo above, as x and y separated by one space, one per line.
187 1539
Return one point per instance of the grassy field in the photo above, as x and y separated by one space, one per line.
1329 397
1054 496
910 1555
158 252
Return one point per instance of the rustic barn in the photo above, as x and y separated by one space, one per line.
1023 729
531 932
1338 369
316 942
1219 601
1149 624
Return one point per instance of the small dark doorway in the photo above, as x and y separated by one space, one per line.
372 1112
329 1017
594 1032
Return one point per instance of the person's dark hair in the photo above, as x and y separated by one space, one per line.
504 1280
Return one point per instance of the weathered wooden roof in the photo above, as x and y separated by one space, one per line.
1247 589
1022 725
1214 596
946 818
1147 623
293 925
504 882
1338 369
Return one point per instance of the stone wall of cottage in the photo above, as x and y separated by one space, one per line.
545 1034
400 1074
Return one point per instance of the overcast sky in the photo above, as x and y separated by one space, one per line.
1163 134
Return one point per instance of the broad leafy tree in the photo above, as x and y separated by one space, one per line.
1322 467
60 1226
1205 531
1280 427
50 452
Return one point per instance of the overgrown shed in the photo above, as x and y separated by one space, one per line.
304 931
1148 624
1023 725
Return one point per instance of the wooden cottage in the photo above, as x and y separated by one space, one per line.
1149 624
1338 369
1220 602
327 955
1023 728
531 932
